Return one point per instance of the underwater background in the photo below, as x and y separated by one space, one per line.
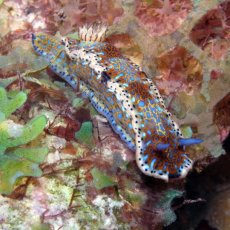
62 166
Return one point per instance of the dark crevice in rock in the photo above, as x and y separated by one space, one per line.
205 185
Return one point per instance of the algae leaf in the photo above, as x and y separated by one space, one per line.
20 162
73 36
12 134
101 180
36 155
135 198
8 106
17 161
78 102
85 134
165 205
13 167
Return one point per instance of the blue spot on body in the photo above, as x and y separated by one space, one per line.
148 115
152 164
73 82
62 55
160 172
130 126
145 157
162 128
158 120
159 109
120 115
148 143
153 109
112 102
141 103
151 101
118 76
141 114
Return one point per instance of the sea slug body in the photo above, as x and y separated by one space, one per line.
121 92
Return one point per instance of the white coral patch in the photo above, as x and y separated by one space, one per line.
106 206
14 130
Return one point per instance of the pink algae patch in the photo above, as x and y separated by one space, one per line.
76 13
212 32
160 17
179 70
128 47
221 116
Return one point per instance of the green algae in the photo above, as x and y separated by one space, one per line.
8 105
78 102
85 134
93 111
36 155
101 180
5 82
73 36
20 162
12 168
41 227
186 131
135 198
164 204
13 134
21 55
17 161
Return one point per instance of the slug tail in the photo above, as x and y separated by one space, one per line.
163 164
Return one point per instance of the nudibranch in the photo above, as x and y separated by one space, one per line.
121 92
